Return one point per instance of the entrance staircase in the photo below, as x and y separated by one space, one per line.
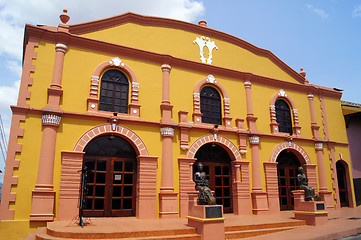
122 228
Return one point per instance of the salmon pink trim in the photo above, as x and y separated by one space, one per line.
300 152
117 63
210 80
126 133
171 23
228 146
28 68
274 125
11 164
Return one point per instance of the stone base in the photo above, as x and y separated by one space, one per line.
42 208
259 203
209 229
168 205
208 220
312 212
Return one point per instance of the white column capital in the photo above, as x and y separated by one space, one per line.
167 131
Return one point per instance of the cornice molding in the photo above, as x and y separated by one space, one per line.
52 35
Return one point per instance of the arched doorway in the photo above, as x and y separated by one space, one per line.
217 166
287 168
111 177
342 184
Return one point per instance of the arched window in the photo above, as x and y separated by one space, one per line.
283 116
211 106
114 92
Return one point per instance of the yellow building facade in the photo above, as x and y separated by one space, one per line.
136 102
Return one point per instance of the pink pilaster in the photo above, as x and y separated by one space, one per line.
259 198
186 184
251 120
168 205
241 198
43 194
326 196
315 128
272 186
146 187
165 106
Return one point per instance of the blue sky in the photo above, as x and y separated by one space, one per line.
321 36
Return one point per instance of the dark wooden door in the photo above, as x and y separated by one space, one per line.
217 166
219 177
342 184
287 182
110 187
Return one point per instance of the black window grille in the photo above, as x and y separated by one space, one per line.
211 106
283 116
114 92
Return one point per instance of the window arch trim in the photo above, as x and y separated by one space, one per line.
296 129
117 64
210 80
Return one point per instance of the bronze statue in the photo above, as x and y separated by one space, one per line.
303 185
205 196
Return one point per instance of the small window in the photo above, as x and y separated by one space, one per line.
211 106
283 116
114 92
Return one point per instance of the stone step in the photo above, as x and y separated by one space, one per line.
264 226
254 232
43 234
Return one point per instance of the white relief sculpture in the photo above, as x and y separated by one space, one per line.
205 42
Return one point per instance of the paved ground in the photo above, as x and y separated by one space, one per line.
342 223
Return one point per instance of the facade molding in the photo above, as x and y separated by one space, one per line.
224 142
117 63
111 48
281 94
300 152
121 131
210 80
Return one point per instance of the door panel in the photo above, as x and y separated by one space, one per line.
219 177
287 182
111 188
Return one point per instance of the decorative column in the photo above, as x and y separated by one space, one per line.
168 203
326 196
314 127
44 195
251 120
259 198
168 206
165 106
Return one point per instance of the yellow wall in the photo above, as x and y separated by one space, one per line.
179 43
79 66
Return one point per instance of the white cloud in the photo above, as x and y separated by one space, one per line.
317 11
14 67
8 96
356 11
14 14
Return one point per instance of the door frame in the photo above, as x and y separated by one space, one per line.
108 210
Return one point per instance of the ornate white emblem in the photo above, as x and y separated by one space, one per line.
205 42
282 93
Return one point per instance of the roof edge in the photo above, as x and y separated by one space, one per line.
128 17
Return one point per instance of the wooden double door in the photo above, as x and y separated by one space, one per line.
287 170
110 178
217 166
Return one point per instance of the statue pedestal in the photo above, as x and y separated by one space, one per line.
313 212
207 219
